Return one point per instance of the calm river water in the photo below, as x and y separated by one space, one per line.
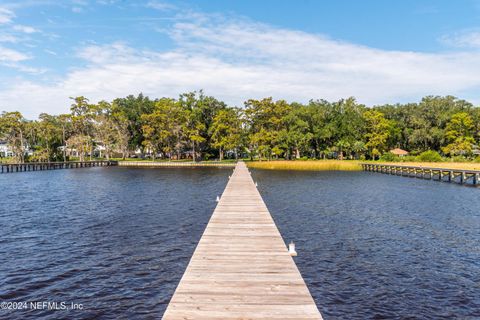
375 246
116 241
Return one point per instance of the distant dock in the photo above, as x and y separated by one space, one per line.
241 268
41 166
471 177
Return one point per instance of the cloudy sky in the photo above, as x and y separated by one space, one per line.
381 51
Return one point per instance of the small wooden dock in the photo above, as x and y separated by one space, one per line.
460 176
41 166
241 268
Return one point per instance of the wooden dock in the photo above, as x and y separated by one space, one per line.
41 166
460 176
241 268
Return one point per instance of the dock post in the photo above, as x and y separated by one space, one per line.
291 249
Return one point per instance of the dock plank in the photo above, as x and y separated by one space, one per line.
241 268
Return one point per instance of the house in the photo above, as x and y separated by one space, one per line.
399 152
5 150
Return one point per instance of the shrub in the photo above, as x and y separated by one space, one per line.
389 157
459 159
429 156
408 158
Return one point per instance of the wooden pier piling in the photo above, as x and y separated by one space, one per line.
241 268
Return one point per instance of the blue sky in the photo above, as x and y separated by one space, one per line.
381 51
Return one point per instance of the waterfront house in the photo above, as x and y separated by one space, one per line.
5 150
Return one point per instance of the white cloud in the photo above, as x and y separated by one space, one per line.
24 29
10 55
6 15
160 5
463 39
8 38
53 53
235 60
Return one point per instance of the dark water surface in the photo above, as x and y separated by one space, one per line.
374 246
117 240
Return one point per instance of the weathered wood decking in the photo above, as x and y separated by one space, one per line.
241 268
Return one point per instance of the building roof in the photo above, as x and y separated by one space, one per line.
399 152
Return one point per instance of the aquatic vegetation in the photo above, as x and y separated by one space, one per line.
350 165
309 165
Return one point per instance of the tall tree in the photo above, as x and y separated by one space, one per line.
378 131
82 115
265 121
297 134
226 131
130 110
105 128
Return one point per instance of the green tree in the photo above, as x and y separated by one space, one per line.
130 110
459 134
65 123
163 128
378 131
335 125
48 138
358 148
265 120
105 128
82 116
297 134
226 131
12 129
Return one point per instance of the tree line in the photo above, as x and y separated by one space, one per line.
198 126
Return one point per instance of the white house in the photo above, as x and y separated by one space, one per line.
5 150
